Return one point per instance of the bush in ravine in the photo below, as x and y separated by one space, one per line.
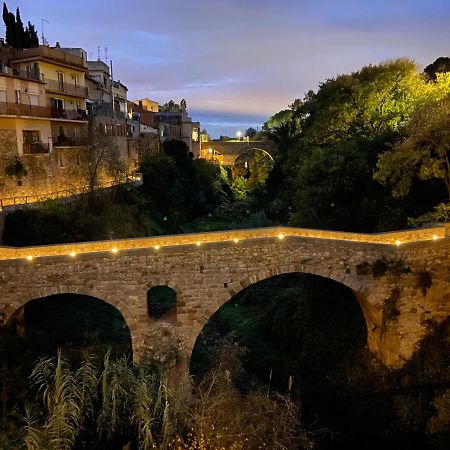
112 403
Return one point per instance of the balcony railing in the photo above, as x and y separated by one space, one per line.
103 109
35 148
53 55
69 141
16 72
67 88
20 109
77 114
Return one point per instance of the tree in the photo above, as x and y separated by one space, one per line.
423 151
170 106
176 149
20 32
250 132
16 36
101 161
440 65
10 24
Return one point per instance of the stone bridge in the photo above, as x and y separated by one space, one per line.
384 271
227 152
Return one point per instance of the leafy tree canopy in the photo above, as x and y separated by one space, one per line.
171 106
250 132
423 151
442 64
374 100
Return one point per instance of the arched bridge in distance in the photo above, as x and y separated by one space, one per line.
208 269
228 151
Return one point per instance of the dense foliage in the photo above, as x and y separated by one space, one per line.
331 141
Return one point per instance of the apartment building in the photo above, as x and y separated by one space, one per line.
179 125
43 118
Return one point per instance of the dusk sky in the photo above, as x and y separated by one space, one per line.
238 62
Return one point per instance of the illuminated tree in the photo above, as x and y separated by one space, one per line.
423 151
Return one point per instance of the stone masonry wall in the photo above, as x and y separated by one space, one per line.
398 314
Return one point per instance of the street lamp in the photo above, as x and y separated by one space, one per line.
239 134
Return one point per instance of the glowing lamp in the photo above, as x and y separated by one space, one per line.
198 244
73 254
281 236
435 237
114 250
397 243
236 240
30 258
157 247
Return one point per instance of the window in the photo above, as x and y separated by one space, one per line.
60 81
17 95
58 103
75 80
30 139
3 96
34 100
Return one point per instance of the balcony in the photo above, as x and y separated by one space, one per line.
103 109
20 109
59 113
35 148
52 55
67 88
69 141
32 75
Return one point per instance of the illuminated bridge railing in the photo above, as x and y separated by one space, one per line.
232 237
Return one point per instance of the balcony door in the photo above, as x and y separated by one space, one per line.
60 81
58 107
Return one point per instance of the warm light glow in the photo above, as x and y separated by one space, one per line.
114 250
239 134
210 150
30 258
281 236
397 243
198 244
73 254
435 237
157 247
236 240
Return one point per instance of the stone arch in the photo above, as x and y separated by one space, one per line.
161 303
18 304
252 278
250 149
181 300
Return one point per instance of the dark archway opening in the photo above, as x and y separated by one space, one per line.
302 332
161 302
72 322
252 167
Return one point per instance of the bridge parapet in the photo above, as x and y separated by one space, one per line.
394 238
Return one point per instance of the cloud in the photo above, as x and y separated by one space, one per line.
243 57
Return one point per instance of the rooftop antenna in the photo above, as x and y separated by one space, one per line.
106 53
98 53
44 41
